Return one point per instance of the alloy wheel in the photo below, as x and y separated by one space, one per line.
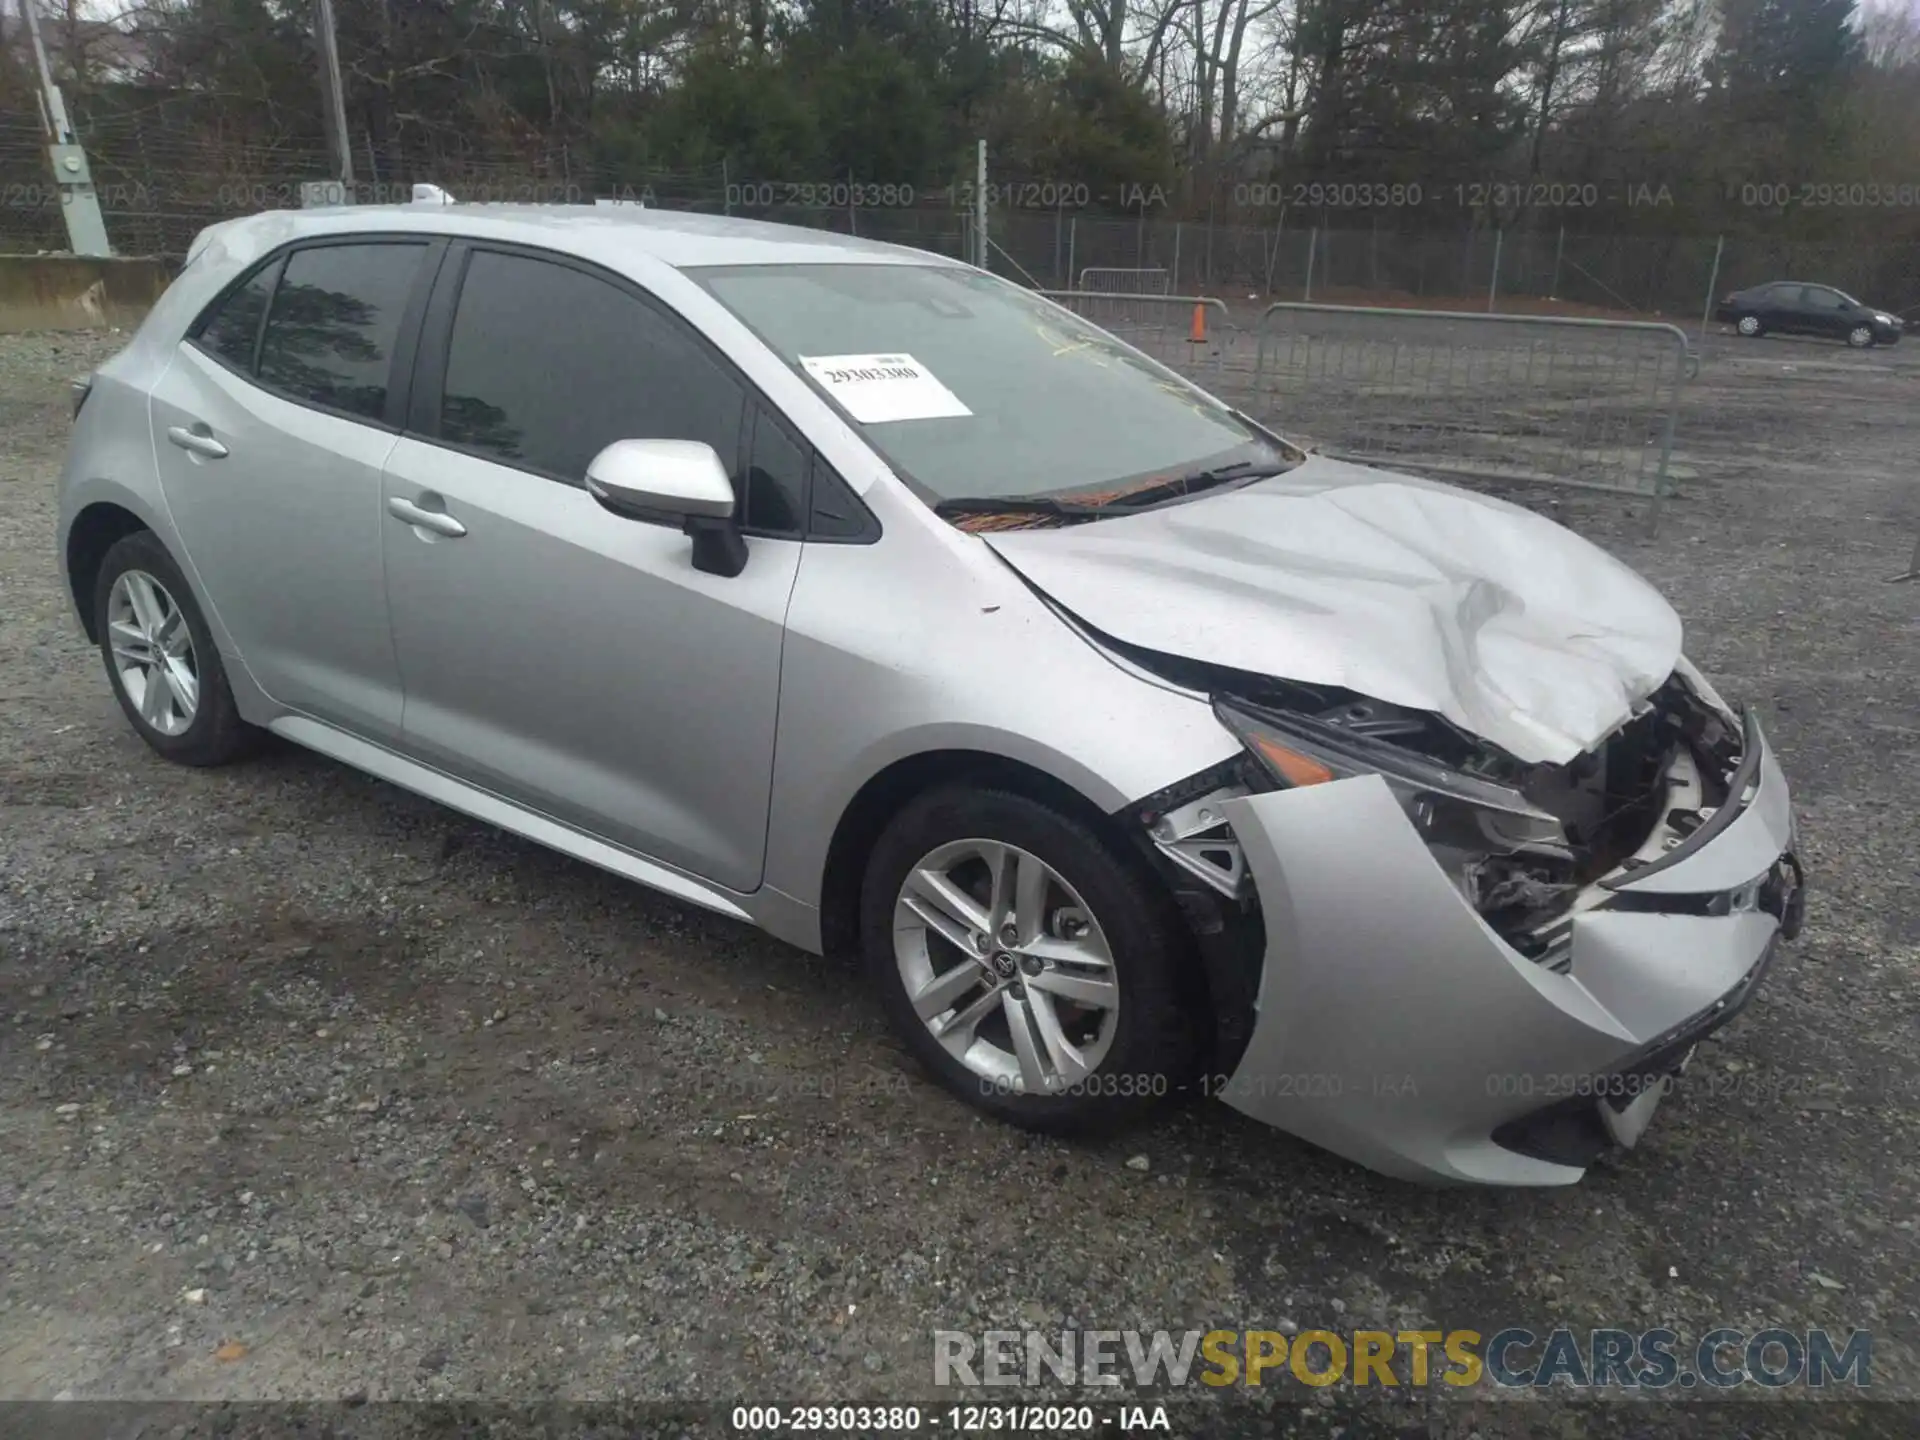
1749 325
1006 966
153 652
1860 337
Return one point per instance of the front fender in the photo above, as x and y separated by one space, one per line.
893 651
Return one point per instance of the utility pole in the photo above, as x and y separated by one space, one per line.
79 202
1713 283
980 208
340 149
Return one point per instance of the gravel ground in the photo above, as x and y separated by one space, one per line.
309 1089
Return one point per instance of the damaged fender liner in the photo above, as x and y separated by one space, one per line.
1571 1132
1232 943
1229 935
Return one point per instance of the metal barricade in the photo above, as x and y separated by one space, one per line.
1187 333
1533 399
1912 572
1111 280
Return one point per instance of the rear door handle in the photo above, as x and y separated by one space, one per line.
199 440
437 521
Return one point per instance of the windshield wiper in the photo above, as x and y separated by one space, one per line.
1016 505
1196 481
1126 503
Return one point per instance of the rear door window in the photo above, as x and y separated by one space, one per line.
335 318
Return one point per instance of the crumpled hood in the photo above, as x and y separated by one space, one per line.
1412 592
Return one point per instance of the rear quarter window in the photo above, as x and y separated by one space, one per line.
230 329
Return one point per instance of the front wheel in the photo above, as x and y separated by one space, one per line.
1030 966
1860 337
1750 326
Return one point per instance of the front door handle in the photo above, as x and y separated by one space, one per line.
437 521
198 439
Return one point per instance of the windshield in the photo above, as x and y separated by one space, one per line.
972 387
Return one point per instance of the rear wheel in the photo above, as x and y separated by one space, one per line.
160 657
1750 326
1028 965
1860 337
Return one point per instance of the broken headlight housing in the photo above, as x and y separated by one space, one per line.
1504 853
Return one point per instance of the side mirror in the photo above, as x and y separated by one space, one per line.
673 482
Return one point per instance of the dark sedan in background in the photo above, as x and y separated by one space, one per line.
1793 307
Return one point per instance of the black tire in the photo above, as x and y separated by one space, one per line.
216 734
1154 1048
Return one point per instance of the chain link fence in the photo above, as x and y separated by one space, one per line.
1543 267
1383 344
161 178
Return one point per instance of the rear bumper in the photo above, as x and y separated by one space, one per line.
1396 1028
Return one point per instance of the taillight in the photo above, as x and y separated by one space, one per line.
81 389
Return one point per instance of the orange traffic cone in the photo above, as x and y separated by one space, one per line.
1198 334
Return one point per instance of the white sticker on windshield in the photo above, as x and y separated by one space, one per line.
879 388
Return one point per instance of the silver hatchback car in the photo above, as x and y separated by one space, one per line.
869 598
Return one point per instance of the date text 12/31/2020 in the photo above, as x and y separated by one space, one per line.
868 1420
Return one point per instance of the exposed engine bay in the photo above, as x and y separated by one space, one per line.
1526 862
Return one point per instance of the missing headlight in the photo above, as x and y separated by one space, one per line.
1523 844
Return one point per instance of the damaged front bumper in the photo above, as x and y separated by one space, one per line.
1395 1027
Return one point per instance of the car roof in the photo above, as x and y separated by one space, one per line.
681 239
